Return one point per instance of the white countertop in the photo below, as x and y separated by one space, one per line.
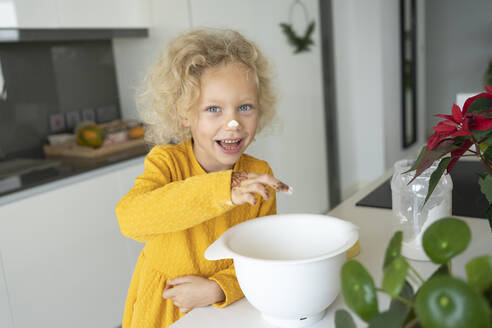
375 232
32 191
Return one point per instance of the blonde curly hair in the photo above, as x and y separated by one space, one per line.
172 86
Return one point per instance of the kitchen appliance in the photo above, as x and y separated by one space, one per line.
288 266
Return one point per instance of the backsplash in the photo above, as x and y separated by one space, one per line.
49 87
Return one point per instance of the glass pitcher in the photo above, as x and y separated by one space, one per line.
411 217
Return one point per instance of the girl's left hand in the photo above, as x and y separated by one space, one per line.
188 292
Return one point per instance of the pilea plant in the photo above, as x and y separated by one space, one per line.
441 301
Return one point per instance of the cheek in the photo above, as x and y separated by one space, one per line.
206 126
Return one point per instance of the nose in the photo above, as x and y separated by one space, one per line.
232 123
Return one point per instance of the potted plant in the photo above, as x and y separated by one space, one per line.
442 301
466 132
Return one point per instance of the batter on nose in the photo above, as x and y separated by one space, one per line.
232 124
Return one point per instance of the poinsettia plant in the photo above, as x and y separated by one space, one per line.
466 132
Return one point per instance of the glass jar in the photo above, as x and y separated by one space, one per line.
411 217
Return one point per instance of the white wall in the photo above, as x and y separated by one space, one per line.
459 48
297 151
367 65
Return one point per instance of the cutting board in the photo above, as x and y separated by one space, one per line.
75 150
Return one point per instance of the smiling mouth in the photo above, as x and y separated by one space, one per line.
229 144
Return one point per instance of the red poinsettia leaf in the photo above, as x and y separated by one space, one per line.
446 117
481 123
444 127
471 100
460 133
457 153
488 88
457 115
431 156
435 139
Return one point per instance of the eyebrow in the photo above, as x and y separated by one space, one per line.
243 101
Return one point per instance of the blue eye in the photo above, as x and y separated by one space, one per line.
213 109
244 107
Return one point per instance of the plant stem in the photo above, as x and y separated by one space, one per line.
449 266
419 277
482 159
398 297
411 323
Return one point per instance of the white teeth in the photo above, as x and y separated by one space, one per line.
231 141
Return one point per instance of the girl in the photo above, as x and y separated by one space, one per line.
211 92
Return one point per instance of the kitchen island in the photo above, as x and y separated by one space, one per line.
376 229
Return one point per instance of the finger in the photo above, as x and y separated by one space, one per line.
169 293
179 280
184 310
258 188
250 198
276 184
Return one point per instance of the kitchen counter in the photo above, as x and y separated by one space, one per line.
375 232
69 171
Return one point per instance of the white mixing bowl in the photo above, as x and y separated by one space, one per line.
288 266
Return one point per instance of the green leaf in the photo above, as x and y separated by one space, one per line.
447 302
386 319
480 105
446 238
443 269
397 306
394 276
488 154
431 156
418 160
436 175
394 248
489 215
479 135
343 319
358 290
479 272
488 296
485 183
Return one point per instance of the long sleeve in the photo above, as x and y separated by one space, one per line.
158 205
227 278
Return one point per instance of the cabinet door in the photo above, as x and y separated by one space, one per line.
5 316
28 14
104 14
66 263
126 180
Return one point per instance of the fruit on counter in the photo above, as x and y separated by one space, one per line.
136 132
89 134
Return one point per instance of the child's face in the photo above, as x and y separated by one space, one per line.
227 92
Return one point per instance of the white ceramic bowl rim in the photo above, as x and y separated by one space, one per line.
351 229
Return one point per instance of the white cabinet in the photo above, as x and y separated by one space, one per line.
104 14
65 262
74 13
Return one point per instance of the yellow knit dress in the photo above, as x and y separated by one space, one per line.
178 210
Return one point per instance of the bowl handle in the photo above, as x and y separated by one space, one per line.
218 250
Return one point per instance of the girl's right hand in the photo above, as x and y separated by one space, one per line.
245 185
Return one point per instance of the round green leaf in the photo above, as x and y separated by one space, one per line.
447 302
386 319
446 238
358 290
343 319
398 306
394 276
394 248
479 272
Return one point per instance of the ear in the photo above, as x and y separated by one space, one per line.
185 121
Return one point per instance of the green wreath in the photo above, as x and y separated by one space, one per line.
300 43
